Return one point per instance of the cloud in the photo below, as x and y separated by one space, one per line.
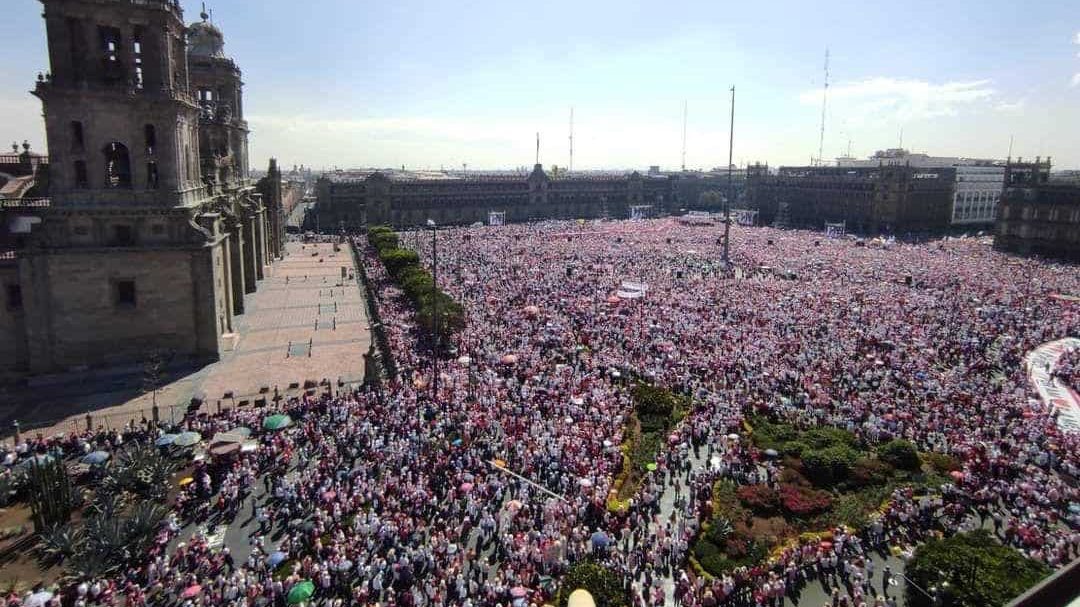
901 99
1076 38
1075 82
1011 107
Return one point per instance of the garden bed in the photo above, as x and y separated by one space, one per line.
656 413
828 479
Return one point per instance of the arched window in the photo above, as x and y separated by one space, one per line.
150 135
117 166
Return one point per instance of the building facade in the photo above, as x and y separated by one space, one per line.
151 233
890 199
976 191
353 199
1038 216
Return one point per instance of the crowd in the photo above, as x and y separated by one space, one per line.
403 497
1068 369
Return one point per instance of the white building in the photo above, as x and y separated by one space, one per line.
979 181
977 193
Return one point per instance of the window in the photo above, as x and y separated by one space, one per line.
80 174
77 139
14 297
81 230
157 229
151 175
124 293
112 67
136 53
117 166
150 137
123 236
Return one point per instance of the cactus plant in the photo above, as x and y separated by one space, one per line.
51 496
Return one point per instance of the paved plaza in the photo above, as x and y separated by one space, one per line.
307 322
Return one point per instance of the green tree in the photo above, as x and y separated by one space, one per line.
830 466
603 584
900 453
970 570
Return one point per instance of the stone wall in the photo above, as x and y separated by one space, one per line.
74 317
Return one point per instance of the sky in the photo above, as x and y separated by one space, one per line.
348 83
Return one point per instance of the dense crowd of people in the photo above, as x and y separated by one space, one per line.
488 491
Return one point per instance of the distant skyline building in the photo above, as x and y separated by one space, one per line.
978 181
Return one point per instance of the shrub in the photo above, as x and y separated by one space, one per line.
827 467
761 499
978 569
824 437
397 260
603 584
941 463
802 501
869 472
795 448
792 476
720 529
654 401
899 453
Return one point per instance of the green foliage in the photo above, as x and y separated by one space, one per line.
720 529
869 472
651 400
941 463
603 584
771 435
396 260
52 497
383 241
826 437
830 466
971 569
899 453
141 470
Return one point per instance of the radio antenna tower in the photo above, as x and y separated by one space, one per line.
824 103
571 167
684 135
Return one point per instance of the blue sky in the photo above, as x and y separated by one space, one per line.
335 83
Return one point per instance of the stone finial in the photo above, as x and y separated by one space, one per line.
26 145
15 147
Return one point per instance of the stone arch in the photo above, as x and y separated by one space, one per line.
117 165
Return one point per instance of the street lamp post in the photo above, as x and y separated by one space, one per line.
435 310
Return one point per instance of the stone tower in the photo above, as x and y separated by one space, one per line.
131 257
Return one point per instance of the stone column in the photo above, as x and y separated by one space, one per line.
260 244
236 266
249 246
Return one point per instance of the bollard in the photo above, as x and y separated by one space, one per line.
15 426
155 413
89 423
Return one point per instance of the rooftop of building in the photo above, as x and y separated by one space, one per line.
479 176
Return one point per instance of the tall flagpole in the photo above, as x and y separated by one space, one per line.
730 182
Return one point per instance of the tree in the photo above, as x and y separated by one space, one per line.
970 570
603 584
900 453
154 372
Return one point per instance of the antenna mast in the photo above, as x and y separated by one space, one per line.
684 135
824 103
537 147
571 168
1010 148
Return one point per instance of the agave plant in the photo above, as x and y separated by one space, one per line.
141 525
108 503
142 471
10 484
61 542
720 530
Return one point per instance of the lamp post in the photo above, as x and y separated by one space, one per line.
435 310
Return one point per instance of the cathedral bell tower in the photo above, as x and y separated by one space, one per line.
121 122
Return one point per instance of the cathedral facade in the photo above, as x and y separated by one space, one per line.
149 232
